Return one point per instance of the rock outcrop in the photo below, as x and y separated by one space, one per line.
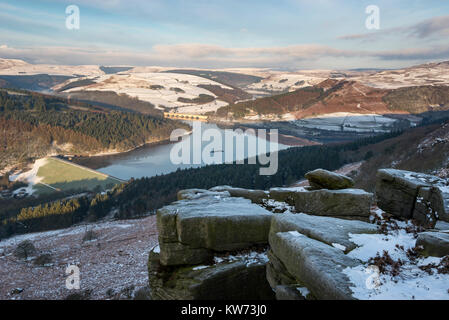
242 278
191 230
331 231
323 179
309 252
256 196
197 228
435 244
346 203
224 243
411 195
309 263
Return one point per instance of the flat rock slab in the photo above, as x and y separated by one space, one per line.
442 226
332 231
286 195
347 202
213 221
397 190
434 244
256 196
333 203
323 179
314 264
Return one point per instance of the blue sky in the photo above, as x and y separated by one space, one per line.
291 34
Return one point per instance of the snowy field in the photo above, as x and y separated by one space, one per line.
405 277
430 74
344 121
160 89
48 175
289 81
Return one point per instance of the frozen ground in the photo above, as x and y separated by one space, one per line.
116 261
407 278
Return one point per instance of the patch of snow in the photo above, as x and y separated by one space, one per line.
371 244
347 121
411 282
250 258
29 177
379 213
200 267
273 205
339 246
303 291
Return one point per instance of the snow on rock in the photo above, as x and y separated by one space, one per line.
303 291
277 206
200 267
339 246
249 257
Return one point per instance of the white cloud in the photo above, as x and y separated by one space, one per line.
204 55
434 27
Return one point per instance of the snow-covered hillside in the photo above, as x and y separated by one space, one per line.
345 121
11 63
289 81
426 74
160 89
21 68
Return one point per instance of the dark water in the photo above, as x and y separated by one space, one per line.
151 160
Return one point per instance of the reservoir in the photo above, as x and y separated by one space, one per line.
151 160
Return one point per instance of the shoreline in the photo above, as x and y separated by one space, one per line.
285 139
115 152
19 167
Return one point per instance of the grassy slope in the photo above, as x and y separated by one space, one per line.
402 152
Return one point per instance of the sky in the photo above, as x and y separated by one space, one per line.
281 34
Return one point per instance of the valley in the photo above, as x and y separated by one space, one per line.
110 120
224 154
